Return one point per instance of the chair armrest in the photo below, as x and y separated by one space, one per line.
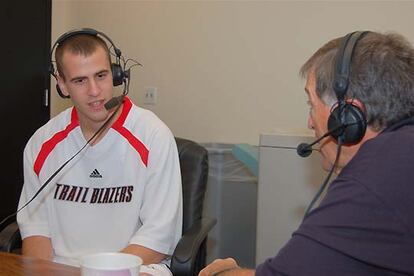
10 238
185 253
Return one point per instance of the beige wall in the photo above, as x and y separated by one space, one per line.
226 71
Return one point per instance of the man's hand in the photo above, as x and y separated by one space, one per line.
218 266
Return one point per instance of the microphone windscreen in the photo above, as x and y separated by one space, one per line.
304 150
114 102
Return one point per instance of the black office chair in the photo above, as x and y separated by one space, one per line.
189 256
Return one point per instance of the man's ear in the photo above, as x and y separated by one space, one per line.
357 103
61 87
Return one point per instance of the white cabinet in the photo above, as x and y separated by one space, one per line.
287 184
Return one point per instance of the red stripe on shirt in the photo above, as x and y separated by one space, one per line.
125 110
135 143
50 144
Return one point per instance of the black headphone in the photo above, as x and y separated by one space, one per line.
119 74
347 118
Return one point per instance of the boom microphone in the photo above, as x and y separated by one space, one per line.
305 149
115 101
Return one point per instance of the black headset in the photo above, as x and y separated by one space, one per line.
347 118
119 74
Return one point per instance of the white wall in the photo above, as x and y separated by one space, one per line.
62 20
226 71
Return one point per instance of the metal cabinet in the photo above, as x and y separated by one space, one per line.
287 184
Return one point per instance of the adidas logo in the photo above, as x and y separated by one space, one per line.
95 174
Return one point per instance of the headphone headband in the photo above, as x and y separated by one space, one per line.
73 32
87 31
348 117
343 63
119 74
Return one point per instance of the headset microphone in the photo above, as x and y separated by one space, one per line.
347 122
305 149
119 73
115 101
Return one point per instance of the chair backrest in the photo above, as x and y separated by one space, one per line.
194 173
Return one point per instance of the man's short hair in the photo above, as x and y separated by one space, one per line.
381 76
81 44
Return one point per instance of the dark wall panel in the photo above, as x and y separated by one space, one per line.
24 103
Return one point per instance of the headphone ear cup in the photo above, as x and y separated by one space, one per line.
118 75
52 72
61 93
354 121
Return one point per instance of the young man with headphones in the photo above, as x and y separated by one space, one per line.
114 168
361 97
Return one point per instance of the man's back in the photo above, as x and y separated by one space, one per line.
364 225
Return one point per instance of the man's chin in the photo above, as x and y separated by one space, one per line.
326 166
99 117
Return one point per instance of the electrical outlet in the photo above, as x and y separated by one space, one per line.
150 95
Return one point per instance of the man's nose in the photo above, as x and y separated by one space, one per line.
94 89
